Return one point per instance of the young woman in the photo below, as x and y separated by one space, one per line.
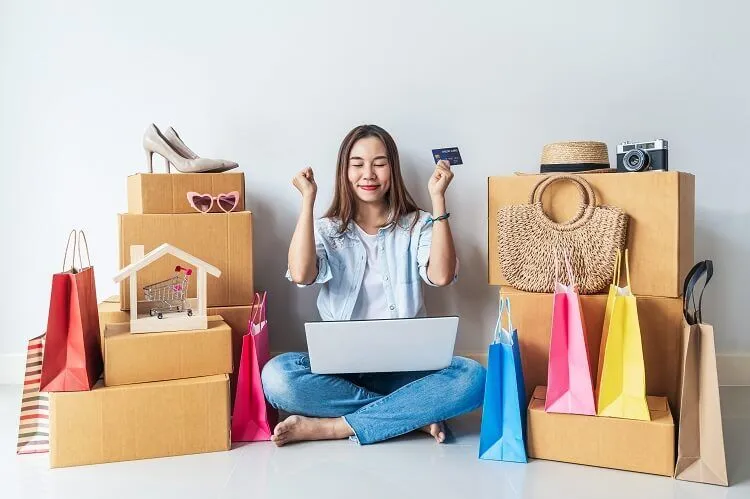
370 253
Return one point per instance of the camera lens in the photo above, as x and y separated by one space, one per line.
635 160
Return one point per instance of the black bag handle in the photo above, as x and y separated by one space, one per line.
700 269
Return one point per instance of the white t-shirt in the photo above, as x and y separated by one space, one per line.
371 302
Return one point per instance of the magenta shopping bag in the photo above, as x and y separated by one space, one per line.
253 419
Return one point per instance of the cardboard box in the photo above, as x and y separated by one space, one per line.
224 240
236 317
123 423
141 358
160 193
110 313
661 226
661 331
623 444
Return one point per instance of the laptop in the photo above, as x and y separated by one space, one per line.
383 345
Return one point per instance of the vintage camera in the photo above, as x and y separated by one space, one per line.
642 156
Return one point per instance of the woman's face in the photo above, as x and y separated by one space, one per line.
369 171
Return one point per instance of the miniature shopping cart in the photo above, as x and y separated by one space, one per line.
169 295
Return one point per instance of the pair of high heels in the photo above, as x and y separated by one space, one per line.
176 153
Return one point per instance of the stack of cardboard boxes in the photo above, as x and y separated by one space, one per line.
165 393
661 209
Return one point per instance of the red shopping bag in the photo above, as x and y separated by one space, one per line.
72 354
253 417
33 424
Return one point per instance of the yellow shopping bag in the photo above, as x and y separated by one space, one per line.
621 382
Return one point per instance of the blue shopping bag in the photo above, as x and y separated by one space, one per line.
503 433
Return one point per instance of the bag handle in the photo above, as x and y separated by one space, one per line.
700 269
259 312
82 237
263 307
709 275
619 259
73 258
585 210
584 188
504 305
627 268
616 273
79 239
568 267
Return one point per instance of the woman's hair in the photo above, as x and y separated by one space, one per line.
343 206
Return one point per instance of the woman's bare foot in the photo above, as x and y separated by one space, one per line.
437 430
298 428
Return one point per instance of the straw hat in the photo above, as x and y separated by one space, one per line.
573 157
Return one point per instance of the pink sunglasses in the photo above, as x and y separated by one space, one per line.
204 202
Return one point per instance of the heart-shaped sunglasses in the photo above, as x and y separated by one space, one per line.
204 202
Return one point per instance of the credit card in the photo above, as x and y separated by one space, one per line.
450 154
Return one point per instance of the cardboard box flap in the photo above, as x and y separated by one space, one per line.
537 398
110 305
540 393
658 407
216 378
116 329
657 404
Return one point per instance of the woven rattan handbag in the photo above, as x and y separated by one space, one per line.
528 241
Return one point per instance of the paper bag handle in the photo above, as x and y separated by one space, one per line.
259 313
82 238
67 248
504 305
568 267
79 239
700 269
619 258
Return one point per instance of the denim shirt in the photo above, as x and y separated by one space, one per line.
342 260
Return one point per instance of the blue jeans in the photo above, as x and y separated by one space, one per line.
377 406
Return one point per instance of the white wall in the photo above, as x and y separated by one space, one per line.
276 85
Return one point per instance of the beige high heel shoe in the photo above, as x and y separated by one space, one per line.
177 143
155 142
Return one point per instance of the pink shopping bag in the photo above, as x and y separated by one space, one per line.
253 419
569 386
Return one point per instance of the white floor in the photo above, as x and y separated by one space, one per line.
413 466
